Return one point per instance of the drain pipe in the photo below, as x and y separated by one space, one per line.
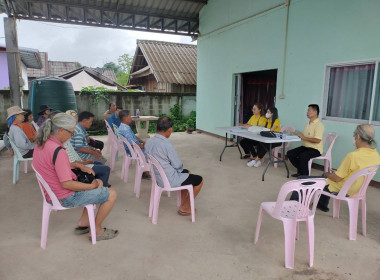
287 4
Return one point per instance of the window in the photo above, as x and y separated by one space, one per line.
352 92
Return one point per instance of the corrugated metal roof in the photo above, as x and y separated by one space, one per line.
169 62
30 57
52 68
165 16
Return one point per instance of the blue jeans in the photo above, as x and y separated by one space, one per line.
102 172
82 198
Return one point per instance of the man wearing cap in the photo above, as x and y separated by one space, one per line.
44 112
16 134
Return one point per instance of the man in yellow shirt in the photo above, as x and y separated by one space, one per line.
365 155
312 145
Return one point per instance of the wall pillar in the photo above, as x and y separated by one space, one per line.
14 60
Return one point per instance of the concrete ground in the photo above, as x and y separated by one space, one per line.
219 245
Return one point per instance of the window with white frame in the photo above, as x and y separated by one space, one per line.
352 92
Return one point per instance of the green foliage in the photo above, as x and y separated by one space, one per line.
122 79
97 94
125 63
79 65
112 65
191 121
152 127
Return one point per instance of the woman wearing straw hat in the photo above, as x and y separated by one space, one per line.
15 132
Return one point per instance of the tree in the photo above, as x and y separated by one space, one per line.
125 63
111 65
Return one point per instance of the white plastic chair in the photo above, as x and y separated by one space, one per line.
331 137
17 158
116 146
127 160
109 140
292 212
36 127
155 194
142 165
353 200
276 150
56 205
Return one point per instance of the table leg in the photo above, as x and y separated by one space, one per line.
269 161
142 132
284 160
227 146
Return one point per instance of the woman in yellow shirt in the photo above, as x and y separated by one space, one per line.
273 123
364 156
257 119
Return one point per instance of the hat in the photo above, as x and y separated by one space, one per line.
71 113
15 110
43 108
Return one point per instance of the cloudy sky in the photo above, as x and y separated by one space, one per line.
89 46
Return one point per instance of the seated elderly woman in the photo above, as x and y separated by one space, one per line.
257 119
364 156
62 180
273 123
27 127
15 132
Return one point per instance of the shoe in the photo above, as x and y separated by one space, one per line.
81 230
107 234
251 163
109 185
296 175
323 208
258 163
145 176
246 156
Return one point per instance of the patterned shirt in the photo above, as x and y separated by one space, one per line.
126 131
79 140
73 155
163 151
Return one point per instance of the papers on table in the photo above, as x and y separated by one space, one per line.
237 129
285 136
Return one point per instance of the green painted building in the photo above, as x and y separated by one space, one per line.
291 54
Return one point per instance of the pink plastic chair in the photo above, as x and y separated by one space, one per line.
109 139
155 194
127 159
55 205
116 147
36 127
276 150
331 137
142 165
353 200
292 212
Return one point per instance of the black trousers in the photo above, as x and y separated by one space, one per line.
323 200
97 144
248 146
300 157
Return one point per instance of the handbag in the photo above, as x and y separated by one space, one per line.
82 177
269 134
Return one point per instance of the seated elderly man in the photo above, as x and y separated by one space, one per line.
364 156
160 147
80 140
126 131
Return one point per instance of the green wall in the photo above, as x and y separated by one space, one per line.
320 32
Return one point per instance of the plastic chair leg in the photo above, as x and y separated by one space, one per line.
151 201
298 231
26 167
91 219
45 224
290 242
310 235
336 208
15 170
191 196
179 198
156 205
353 207
364 217
113 154
258 225
137 181
309 165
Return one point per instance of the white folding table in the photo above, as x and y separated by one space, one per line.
242 132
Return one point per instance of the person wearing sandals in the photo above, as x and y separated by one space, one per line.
16 133
160 147
62 181
258 119
273 123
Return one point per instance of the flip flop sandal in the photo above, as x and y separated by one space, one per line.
183 213
107 234
81 230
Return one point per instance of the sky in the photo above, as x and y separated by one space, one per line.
89 46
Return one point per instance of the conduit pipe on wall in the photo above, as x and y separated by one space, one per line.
287 4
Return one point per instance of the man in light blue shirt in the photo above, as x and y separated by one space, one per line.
160 147
114 118
126 131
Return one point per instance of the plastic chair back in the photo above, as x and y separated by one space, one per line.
307 189
330 138
127 159
155 165
17 158
36 127
276 150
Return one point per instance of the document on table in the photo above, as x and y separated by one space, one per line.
237 129
286 136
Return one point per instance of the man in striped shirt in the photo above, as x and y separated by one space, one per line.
79 139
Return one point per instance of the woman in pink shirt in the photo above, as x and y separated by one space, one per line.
62 180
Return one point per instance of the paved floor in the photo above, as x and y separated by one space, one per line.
219 245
